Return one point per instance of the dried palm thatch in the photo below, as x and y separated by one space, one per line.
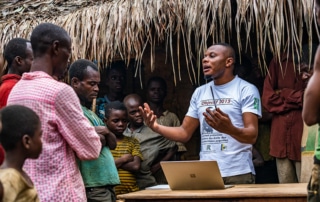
102 30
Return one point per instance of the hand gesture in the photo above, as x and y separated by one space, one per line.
218 120
148 116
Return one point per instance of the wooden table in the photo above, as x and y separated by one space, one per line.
296 192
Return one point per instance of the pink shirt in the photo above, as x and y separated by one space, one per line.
66 134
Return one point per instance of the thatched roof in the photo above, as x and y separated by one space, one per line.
104 29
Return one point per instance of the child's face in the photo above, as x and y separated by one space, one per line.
117 121
134 114
115 81
36 143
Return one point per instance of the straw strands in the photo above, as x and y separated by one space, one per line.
104 30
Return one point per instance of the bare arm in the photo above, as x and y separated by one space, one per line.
311 103
129 163
222 123
109 138
123 159
180 134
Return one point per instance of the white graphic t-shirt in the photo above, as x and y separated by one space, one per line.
233 98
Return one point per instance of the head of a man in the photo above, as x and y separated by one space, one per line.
21 131
218 61
156 90
132 103
53 43
19 56
116 118
115 77
84 77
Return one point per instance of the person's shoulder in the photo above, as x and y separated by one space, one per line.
168 112
246 87
202 88
244 84
131 139
10 78
9 173
64 89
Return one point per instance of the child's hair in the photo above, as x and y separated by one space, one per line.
17 121
159 80
116 105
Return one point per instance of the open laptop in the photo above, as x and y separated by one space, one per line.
193 175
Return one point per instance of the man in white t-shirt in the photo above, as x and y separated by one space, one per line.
227 110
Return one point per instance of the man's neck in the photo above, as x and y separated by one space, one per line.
224 80
14 160
13 70
134 127
42 64
112 96
157 108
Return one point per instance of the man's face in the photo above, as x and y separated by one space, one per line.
134 114
215 61
156 92
27 62
117 121
87 89
115 81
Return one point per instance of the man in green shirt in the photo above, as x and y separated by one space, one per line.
100 175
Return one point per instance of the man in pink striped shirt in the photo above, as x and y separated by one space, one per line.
67 134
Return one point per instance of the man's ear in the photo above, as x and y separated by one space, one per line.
55 47
74 82
26 140
229 62
18 60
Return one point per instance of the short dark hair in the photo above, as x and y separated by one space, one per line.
231 49
157 79
44 34
78 69
116 105
17 121
15 47
132 96
117 66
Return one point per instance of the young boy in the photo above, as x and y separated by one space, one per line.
21 138
127 154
